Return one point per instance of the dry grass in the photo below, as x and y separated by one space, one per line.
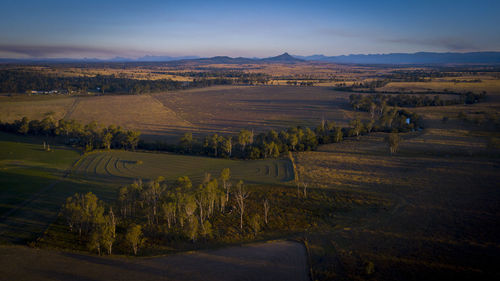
489 85
221 109
34 108
143 113
443 185
229 109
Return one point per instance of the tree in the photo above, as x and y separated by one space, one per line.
103 235
227 146
241 195
83 212
293 140
245 137
338 135
107 138
225 175
132 139
357 126
186 142
304 184
255 223
151 196
23 126
214 143
134 237
393 140
266 209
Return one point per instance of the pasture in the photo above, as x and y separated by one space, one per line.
220 109
125 166
34 183
442 219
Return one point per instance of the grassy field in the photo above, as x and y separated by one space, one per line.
220 109
126 166
229 109
487 84
429 212
443 189
34 183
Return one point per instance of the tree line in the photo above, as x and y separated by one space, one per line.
369 102
272 144
90 136
13 81
161 213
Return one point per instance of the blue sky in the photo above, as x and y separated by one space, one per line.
108 28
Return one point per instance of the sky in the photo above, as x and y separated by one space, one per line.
110 28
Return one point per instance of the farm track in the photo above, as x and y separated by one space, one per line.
72 109
168 109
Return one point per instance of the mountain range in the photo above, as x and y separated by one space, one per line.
285 58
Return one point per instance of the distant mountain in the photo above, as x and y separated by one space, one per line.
415 58
165 58
284 58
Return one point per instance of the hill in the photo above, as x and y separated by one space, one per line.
415 58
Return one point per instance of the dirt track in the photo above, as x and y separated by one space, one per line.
280 260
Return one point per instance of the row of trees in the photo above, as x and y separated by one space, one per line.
157 211
362 85
272 144
370 102
13 81
89 136
237 77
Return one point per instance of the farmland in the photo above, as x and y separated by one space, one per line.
361 212
49 177
219 109
122 164
443 184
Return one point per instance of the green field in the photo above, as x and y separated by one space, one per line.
125 166
34 183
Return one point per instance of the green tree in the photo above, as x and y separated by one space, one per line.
357 126
338 136
393 140
255 222
134 237
227 146
23 126
245 137
225 175
107 138
186 142
132 139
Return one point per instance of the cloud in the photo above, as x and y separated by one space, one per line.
43 51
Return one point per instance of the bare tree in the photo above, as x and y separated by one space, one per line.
241 196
